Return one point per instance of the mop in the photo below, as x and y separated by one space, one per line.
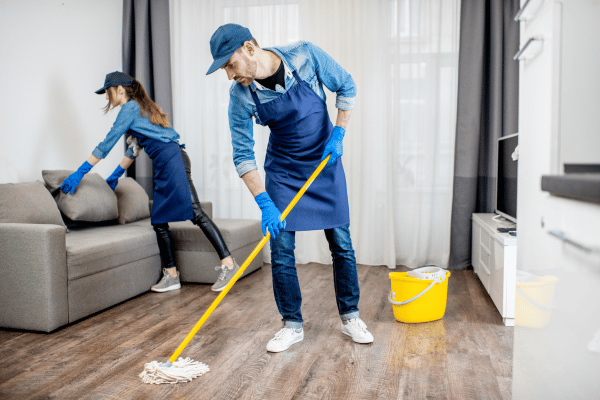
184 370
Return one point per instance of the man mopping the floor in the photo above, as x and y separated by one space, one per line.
282 88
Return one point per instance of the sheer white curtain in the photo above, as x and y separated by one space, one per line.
399 145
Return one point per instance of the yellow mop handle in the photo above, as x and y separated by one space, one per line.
235 277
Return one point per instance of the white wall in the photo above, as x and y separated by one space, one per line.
53 55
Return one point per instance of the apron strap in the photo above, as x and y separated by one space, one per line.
296 77
254 96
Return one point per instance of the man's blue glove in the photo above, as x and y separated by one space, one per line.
335 146
70 184
271 216
113 180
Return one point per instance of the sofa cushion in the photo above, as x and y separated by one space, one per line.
132 201
96 249
236 233
28 203
93 200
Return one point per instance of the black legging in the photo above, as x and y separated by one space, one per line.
164 236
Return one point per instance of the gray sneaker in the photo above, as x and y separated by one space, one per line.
225 276
167 283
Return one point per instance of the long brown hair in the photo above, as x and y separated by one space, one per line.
147 107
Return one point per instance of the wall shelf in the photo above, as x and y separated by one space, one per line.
585 187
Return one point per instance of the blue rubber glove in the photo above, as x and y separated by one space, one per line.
335 146
113 180
70 184
271 216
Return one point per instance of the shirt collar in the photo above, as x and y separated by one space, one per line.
288 71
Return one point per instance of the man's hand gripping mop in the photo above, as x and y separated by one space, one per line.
184 370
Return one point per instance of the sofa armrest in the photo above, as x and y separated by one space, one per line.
33 266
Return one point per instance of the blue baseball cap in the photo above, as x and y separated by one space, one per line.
115 79
224 42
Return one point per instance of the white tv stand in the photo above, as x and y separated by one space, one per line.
494 259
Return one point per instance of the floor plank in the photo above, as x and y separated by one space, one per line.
465 355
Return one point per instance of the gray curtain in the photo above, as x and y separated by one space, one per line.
146 57
488 94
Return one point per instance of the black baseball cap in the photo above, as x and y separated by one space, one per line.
115 79
224 42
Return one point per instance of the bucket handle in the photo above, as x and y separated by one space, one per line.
535 303
401 303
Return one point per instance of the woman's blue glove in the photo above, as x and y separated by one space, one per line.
70 184
113 180
335 146
271 216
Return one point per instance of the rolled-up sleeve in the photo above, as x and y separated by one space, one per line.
335 78
121 125
242 140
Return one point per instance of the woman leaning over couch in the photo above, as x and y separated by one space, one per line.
175 197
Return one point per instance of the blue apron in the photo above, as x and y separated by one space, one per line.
172 200
300 129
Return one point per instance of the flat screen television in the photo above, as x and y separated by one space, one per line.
506 182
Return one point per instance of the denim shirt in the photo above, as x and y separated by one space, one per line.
314 66
129 118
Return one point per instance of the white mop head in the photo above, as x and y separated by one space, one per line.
182 370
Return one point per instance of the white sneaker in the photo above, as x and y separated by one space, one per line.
284 339
357 330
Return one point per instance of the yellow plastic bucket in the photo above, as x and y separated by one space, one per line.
534 300
425 304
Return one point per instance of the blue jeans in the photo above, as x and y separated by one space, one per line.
285 278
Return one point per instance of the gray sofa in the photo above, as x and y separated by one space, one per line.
53 276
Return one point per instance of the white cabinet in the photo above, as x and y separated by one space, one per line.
494 259
561 359
558 123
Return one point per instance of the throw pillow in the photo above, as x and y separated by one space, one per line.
28 203
92 201
132 201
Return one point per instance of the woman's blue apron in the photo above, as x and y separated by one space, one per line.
300 129
172 200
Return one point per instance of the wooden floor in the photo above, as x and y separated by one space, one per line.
466 355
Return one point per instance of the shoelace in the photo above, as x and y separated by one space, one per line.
358 323
223 273
283 334
165 276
